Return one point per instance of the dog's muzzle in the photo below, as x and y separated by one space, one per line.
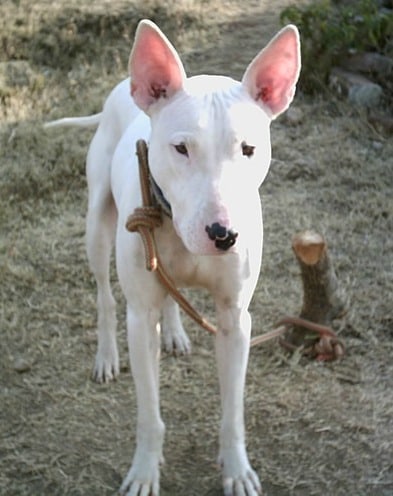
223 238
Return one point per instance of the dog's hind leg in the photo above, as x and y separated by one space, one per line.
100 232
99 236
174 337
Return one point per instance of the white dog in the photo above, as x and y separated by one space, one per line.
209 151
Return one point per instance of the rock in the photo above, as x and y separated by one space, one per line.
357 88
369 62
293 116
21 365
368 95
377 145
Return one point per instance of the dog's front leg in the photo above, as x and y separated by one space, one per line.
232 349
144 348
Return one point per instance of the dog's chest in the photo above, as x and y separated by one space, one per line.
182 266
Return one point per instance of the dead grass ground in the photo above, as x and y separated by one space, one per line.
313 429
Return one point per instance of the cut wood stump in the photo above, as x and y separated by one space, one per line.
323 299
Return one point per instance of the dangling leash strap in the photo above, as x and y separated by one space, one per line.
146 218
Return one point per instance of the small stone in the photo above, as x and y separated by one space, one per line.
367 95
21 365
294 116
377 145
369 63
358 89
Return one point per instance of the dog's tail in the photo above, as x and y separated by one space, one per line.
86 121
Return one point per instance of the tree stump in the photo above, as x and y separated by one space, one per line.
323 299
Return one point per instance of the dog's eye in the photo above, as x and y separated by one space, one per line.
182 149
247 150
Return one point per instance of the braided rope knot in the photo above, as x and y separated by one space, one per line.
149 217
143 221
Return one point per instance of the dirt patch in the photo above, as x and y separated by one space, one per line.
313 429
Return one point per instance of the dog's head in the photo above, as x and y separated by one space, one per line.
210 147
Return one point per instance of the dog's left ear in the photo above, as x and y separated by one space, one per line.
271 77
155 67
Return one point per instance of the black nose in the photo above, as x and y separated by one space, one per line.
224 238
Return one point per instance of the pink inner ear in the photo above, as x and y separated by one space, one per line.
155 68
271 77
265 93
274 89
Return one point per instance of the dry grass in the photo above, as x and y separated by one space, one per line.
313 429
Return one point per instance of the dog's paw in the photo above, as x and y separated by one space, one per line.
239 479
175 340
143 478
106 367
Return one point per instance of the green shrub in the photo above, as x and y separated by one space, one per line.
330 32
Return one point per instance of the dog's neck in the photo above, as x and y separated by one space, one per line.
160 198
